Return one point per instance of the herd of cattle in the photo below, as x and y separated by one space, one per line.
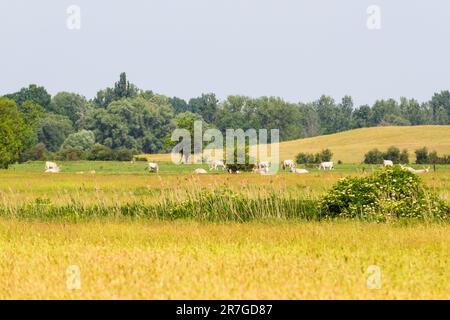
262 167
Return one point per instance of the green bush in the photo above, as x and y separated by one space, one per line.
124 154
388 194
101 153
309 158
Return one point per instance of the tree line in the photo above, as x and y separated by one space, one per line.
35 125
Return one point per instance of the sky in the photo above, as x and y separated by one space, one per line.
294 49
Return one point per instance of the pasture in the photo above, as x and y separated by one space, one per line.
121 254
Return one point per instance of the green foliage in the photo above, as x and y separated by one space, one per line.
374 156
423 157
388 194
33 93
308 158
393 153
35 153
52 130
71 154
71 105
14 132
101 153
82 140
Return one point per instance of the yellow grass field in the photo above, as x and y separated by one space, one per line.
189 260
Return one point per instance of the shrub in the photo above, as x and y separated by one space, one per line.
71 154
101 153
309 158
35 153
393 154
391 193
373 157
143 159
422 156
404 157
124 154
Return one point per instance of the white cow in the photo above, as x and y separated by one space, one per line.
153 167
51 167
388 163
215 164
326 165
288 164
200 171
264 170
414 170
299 171
263 164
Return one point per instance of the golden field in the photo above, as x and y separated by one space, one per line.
191 260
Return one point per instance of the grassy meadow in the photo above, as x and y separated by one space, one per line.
139 235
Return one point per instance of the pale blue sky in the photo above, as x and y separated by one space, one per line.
294 49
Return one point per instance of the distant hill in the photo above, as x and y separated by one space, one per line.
350 146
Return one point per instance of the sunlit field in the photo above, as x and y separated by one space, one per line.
191 260
266 256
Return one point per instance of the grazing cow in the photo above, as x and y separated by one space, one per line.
200 171
264 164
326 165
388 163
288 164
215 164
153 167
51 167
299 171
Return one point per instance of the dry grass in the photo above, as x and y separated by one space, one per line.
188 260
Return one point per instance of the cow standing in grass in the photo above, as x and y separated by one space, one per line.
326 165
388 163
216 164
288 164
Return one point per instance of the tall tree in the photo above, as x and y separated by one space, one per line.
33 93
13 132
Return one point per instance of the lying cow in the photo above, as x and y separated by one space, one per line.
326 165
51 167
299 171
414 170
216 164
388 163
288 164
153 167
264 170
200 171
